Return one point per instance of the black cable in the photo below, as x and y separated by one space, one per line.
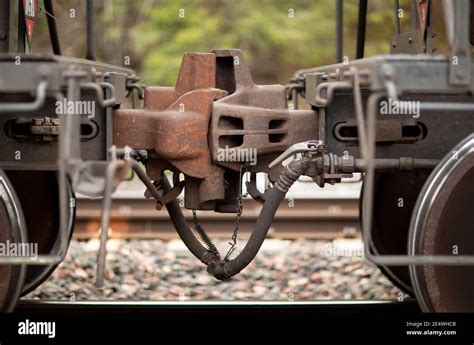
361 29
53 31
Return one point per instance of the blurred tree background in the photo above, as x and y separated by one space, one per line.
276 36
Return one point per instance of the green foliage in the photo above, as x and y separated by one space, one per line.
277 37
272 34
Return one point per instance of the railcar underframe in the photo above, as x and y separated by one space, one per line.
198 132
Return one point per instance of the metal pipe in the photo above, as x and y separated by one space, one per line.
446 106
415 23
460 73
90 30
397 18
28 106
72 125
53 32
112 169
448 11
361 29
359 110
98 88
397 164
323 100
145 179
339 30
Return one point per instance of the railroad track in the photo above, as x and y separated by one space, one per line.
301 218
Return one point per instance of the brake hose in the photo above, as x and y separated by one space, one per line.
224 269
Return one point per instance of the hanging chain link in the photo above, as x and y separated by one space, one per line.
239 209
233 243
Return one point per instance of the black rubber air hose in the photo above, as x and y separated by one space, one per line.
222 269
183 229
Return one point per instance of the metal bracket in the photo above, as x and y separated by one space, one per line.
310 146
460 62
31 106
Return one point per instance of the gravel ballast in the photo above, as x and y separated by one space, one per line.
164 270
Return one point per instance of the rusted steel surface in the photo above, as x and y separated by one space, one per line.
253 117
173 127
174 121
214 106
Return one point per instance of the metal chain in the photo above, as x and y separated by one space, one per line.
233 244
239 209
